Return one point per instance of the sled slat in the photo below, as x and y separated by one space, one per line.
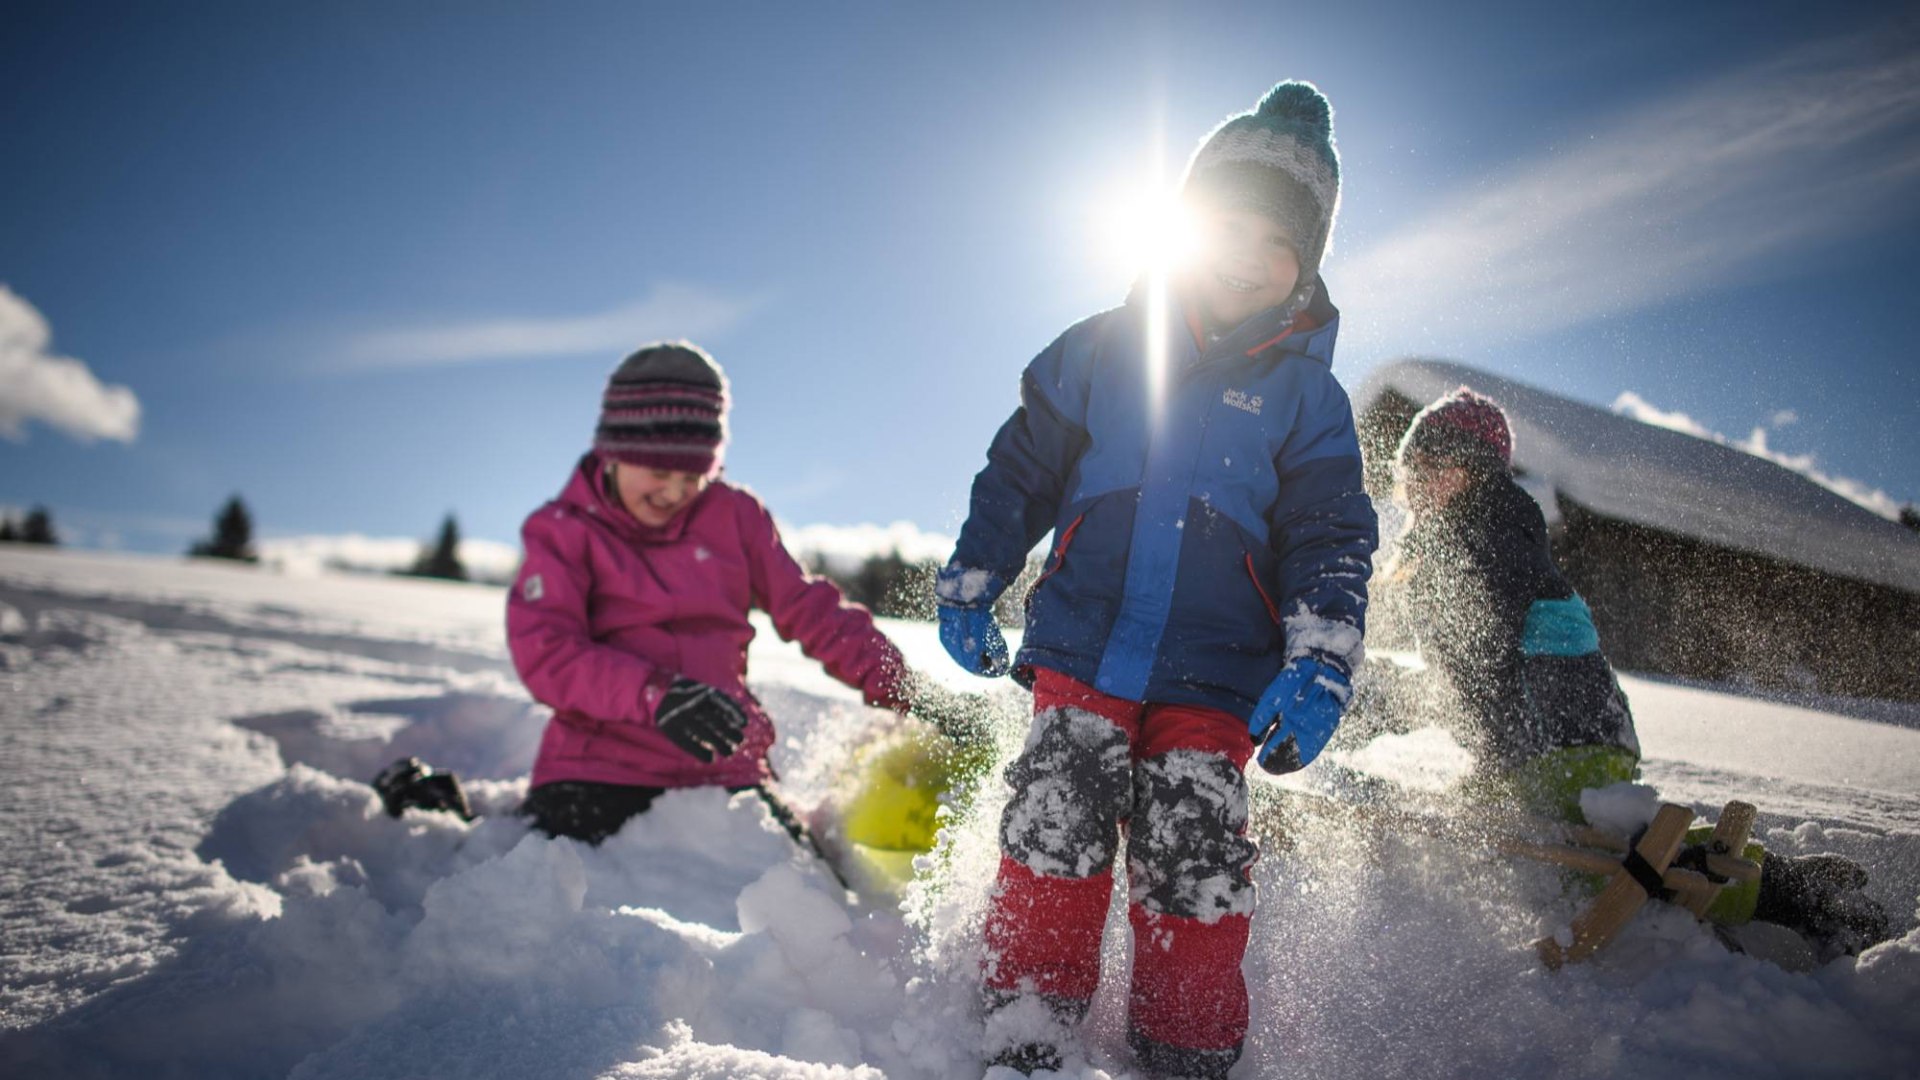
1623 897
1724 853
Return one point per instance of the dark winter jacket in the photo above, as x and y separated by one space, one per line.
1183 540
1503 627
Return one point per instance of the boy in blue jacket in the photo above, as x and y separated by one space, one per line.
1204 601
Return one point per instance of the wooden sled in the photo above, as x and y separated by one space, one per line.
1644 873
1635 874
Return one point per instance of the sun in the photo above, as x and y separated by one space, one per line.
1145 229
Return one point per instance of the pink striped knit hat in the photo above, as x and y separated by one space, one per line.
665 408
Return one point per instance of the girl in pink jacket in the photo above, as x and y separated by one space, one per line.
629 616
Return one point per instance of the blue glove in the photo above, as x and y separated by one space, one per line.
1297 714
967 627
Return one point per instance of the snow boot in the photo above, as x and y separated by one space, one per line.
1025 1030
412 783
1028 1058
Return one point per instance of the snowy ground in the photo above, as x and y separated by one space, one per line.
195 880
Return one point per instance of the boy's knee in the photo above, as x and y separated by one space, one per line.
1189 854
1070 790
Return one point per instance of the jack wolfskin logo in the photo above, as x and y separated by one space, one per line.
1243 401
533 589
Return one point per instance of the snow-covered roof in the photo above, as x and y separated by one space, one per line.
1663 479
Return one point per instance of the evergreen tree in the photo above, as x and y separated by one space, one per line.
442 558
232 535
1910 517
7 531
38 527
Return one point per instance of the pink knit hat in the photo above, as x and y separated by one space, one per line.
1462 428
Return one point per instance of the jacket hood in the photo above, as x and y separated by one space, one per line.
1270 334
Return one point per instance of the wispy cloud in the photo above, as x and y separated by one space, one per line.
59 391
667 311
1732 180
1874 499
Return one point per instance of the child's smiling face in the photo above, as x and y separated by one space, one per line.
1246 264
655 496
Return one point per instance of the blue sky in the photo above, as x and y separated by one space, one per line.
368 263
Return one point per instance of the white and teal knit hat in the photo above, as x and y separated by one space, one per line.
1278 159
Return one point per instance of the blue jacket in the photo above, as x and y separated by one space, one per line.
1183 541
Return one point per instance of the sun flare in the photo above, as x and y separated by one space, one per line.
1147 230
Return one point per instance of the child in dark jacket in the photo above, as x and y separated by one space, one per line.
1197 464
1530 692
1523 681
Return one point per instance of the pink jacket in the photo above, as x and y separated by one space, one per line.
607 612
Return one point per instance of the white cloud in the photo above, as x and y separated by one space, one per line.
55 390
1637 407
1783 418
842 548
485 560
667 311
1736 179
1632 404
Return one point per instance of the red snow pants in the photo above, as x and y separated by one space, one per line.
1169 778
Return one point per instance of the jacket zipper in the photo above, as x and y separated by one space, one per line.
1273 610
1059 559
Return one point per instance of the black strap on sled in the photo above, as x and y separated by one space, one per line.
1642 871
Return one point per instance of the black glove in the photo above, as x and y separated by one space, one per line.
411 782
1821 897
700 719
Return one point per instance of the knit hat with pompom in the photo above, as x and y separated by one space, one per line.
1279 160
665 408
1462 428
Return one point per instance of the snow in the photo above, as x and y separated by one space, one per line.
195 880
485 560
1308 634
1671 480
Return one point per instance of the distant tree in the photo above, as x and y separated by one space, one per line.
232 535
38 527
7 529
441 559
1910 517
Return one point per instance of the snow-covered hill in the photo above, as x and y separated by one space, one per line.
195 880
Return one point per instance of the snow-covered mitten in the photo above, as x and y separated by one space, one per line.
967 626
1298 713
701 719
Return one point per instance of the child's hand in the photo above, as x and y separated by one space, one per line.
967 627
701 719
964 719
1297 714
974 640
